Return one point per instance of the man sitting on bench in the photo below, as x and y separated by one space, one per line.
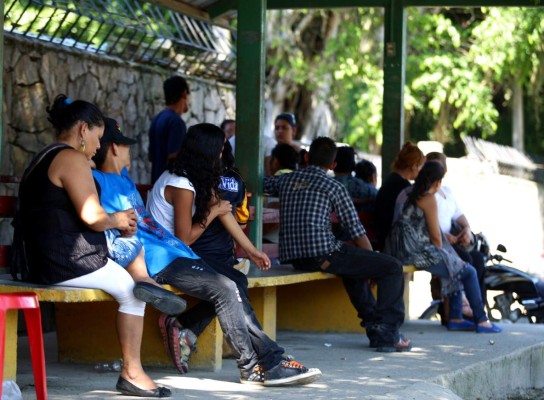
308 197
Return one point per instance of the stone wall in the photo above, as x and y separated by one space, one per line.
34 73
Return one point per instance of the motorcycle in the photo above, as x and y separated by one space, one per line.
520 294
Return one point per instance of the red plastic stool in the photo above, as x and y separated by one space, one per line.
28 302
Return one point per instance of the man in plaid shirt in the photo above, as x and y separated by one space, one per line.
308 197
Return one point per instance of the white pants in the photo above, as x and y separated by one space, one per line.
115 280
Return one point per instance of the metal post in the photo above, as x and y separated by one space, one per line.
394 67
250 72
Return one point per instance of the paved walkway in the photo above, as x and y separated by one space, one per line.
473 365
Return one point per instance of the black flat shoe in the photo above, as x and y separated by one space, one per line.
162 299
128 389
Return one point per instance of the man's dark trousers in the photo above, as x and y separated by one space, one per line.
381 318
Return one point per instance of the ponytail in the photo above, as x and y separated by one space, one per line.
65 113
431 172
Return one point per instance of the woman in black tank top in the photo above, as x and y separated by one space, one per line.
63 228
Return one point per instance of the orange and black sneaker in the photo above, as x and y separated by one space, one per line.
290 372
166 326
187 345
179 343
255 377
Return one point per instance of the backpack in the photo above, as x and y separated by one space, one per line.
18 262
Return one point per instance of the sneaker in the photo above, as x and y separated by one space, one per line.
290 372
374 342
373 337
255 377
401 346
170 331
164 323
187 345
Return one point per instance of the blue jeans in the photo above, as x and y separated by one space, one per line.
469 278
236 316
477 260
199 317
383 317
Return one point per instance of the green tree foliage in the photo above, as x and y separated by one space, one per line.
357 90
461 67
442 81
463 64
298 64
519 33
331 56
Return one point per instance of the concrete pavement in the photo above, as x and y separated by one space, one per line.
442 365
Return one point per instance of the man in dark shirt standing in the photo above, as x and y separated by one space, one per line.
168 129
308 197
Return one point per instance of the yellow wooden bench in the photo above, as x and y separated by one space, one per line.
85 321
282 297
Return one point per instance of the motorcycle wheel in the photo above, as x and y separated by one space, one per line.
434 312
502 309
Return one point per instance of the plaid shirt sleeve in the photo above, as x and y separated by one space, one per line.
346 213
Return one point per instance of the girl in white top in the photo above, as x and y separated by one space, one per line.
187 207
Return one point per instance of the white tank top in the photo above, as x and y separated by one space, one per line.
157 205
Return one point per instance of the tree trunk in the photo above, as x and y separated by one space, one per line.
518 126
295 36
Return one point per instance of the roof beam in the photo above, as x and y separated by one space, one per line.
289 4
190 11
222 7
473 3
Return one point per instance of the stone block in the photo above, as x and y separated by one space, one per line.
28 108
26 71
212 102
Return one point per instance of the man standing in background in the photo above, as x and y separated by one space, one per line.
168 129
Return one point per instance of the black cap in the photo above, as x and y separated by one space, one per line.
114 134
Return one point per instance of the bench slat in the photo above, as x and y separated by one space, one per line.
60 294
277 276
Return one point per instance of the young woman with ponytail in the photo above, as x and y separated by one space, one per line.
415 239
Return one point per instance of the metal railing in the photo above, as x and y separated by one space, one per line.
130 30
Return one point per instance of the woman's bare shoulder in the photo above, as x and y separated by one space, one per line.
70 154
426 200
69 161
